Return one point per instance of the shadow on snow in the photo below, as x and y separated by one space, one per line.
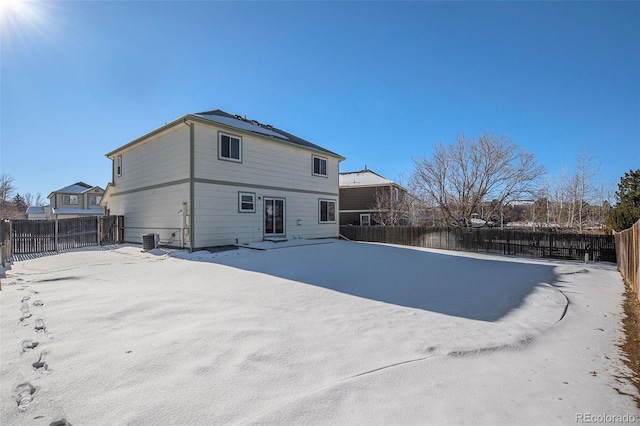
476 289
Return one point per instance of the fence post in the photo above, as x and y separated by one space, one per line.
3 241
10 247
55 243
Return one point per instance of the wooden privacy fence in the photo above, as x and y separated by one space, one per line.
111 229
500 241
628 252
5 242
38 236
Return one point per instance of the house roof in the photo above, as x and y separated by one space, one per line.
237 122
35 210
363 178
74 211
76 188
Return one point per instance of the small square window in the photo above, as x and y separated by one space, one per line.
246 202
327 212
319 166
230 148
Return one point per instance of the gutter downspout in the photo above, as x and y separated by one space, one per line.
192 137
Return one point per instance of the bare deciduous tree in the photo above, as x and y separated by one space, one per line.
7 188
389 207
583 188
400 204
8 209
34 200
460 177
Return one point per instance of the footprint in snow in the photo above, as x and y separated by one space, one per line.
38 303
40 326
40 364
27 345
61 422
23 394
25 311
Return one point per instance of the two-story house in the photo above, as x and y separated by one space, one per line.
213 179
77 200
367 198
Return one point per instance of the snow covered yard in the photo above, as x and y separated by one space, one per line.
333 333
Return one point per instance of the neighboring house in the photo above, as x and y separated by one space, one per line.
39 213
366 198
213 179
76 200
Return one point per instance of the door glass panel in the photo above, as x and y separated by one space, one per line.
279 216
268 216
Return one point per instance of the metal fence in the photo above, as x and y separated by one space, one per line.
628 253
500 241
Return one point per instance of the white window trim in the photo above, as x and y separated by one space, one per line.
253 197
368 216
119 165
335 211
313 166
95 197
230 136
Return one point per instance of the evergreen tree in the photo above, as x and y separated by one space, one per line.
20 203
627 209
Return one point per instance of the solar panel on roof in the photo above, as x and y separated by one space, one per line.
241 124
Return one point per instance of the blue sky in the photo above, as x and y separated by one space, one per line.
377 82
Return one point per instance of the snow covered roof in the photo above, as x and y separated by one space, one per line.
363 178
35 210
88 212
521 203
76 188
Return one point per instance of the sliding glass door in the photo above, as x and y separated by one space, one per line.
273 217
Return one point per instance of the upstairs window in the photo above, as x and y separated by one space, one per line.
229 148
70 200
94 199
327 213
119 165
319 166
